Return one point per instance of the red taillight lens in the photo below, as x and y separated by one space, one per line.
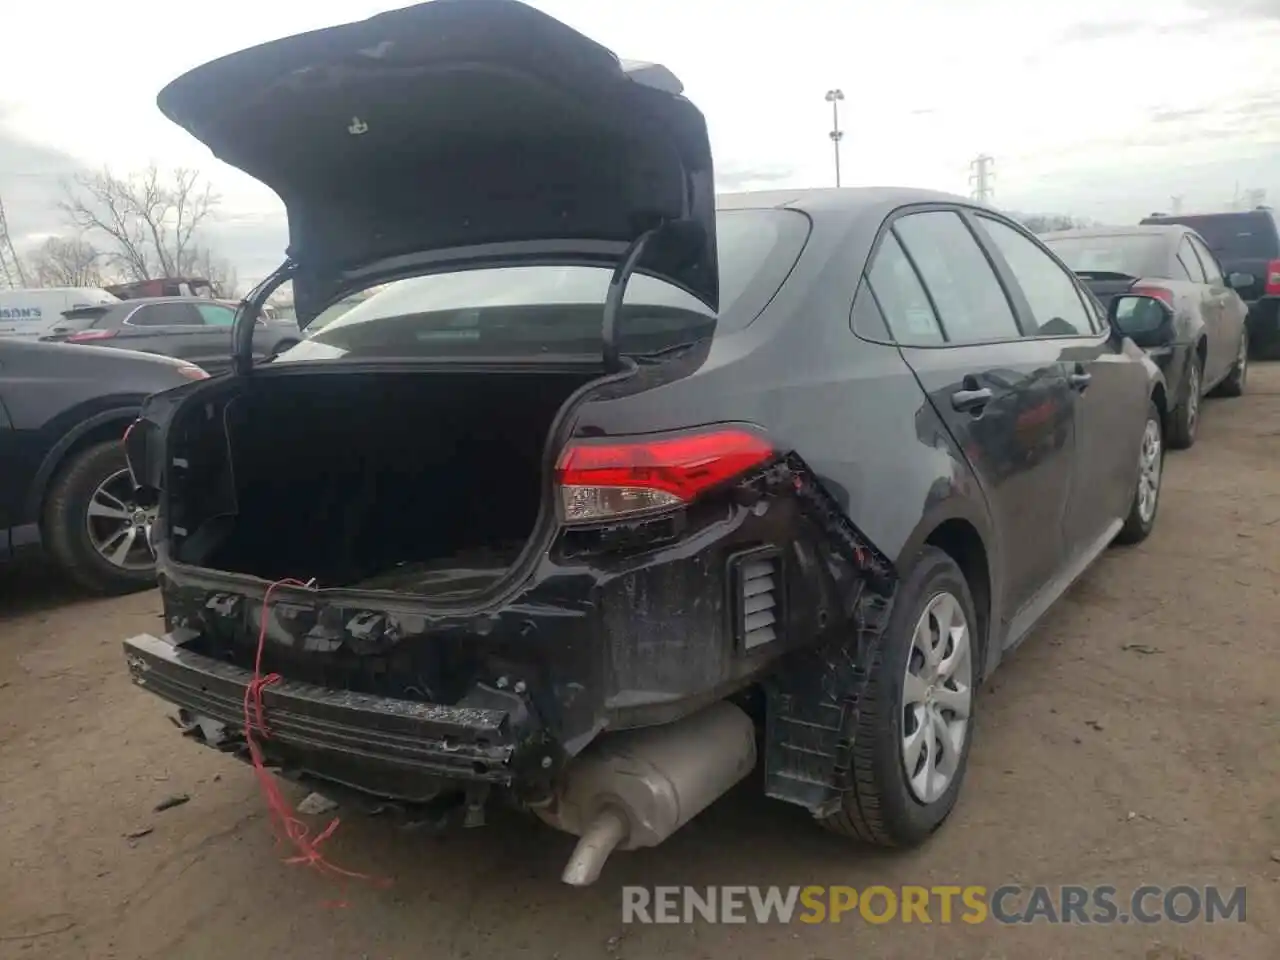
1160 293
192 372
88 336
1273 279
605 480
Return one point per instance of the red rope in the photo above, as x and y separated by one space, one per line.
284 818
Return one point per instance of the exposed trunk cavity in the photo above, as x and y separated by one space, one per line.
426 482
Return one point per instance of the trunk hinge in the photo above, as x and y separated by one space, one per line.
617 289
247 316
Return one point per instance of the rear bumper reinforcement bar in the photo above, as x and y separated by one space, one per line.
469 743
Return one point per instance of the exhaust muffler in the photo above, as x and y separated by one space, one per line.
635 788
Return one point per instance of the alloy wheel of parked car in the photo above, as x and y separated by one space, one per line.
915 725
119 529
937 693
1234 385
94 529
1186 419
1146 498
1149 472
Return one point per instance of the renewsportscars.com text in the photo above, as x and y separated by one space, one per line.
1009 904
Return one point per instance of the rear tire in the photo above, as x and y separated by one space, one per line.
68 530
1234 385
1186 418
882 806
1142 512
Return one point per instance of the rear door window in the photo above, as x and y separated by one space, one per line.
971 303
1190 262
165 315
901 298
1050 291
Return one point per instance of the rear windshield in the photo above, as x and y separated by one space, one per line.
544 309
84 316
1235 236
1133 254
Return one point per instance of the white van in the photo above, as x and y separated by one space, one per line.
31 313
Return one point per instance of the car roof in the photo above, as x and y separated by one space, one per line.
854 214
850 201
1255 212
139 301
1147 229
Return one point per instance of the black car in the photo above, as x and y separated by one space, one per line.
1203 345
516 526
195 329
1245 242
64 483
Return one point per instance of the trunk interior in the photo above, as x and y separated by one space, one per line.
426 482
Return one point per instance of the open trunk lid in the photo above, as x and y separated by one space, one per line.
456 134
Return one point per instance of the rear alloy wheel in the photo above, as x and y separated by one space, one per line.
1234 385
95 530
911 745
1186 418
1146 497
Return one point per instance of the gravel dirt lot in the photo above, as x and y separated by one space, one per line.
1135 739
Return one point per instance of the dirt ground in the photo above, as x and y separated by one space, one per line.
1135 738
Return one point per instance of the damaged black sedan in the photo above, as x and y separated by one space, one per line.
614 491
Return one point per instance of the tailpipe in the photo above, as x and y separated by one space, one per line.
635 788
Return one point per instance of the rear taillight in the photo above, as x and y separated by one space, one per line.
89 336
1147 290
1273 279
192 372
618 478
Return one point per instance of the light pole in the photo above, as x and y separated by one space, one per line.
834 97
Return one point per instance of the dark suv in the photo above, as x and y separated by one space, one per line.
1245 242
195 329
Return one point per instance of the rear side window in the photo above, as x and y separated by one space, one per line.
1050 291
866 318
1190 262
971 303
901 298
216 315
1212 273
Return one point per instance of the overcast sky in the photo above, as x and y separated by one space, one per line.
1102 108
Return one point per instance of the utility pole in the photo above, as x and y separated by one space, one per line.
834 97
983 178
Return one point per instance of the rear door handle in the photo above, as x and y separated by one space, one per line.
1079 381
972 400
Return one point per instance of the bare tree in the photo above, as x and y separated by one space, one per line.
11 270
67 262
149 220
218 271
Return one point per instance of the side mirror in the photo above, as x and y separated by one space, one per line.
1147 321
1240 281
